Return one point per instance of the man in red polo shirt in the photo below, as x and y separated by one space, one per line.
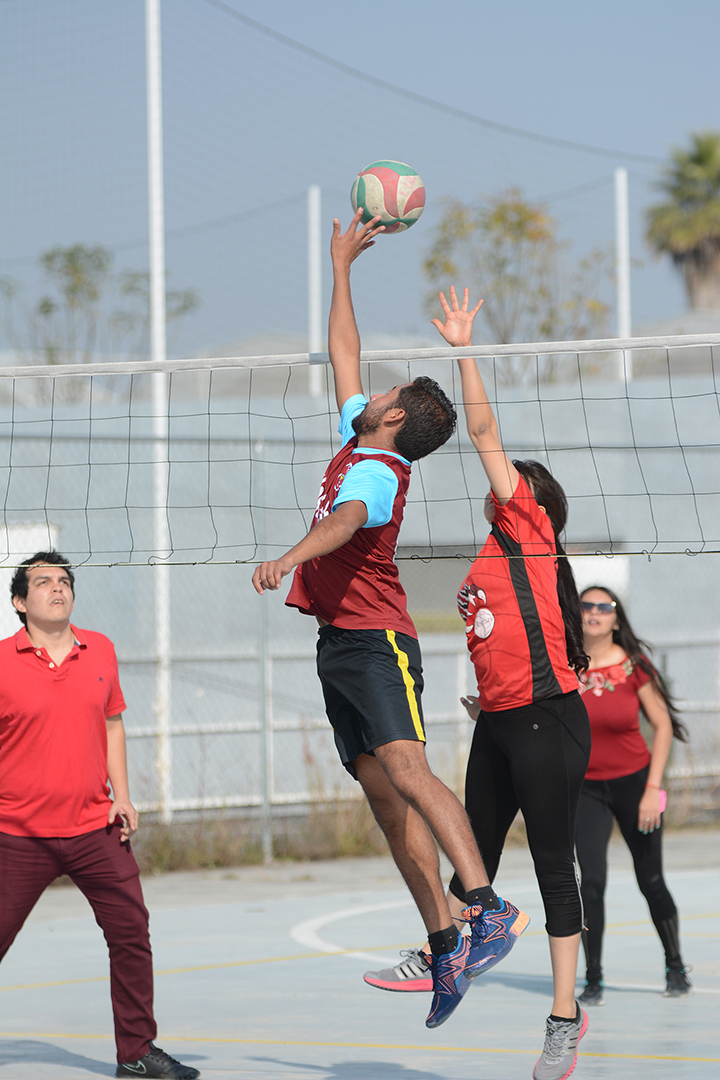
62 746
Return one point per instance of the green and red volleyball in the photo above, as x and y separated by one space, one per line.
391 190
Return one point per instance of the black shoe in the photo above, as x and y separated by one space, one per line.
593 994
677 983
158 1064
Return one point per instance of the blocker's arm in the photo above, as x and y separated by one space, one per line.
343 336
481 423
326 536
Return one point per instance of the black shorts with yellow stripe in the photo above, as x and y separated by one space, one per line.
372 682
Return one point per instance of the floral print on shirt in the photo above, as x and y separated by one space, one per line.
599 679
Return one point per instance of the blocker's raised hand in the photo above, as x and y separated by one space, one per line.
346 246
457 329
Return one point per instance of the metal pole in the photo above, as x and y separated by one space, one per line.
264 680
622 268
315 329
161 540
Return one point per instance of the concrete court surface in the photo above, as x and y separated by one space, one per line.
259 976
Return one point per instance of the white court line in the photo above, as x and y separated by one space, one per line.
306 933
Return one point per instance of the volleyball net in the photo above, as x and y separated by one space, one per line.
201 466
218 460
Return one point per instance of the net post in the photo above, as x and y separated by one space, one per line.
314 270
161 540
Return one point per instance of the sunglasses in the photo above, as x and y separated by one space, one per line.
604 609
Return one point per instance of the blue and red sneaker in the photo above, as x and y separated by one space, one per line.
450 984
493 935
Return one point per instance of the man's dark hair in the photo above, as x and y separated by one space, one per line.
430 418
19 584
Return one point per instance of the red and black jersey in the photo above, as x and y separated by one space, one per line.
515 629
356 587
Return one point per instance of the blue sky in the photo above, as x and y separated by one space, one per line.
251 120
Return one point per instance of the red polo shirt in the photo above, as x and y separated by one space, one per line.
53 739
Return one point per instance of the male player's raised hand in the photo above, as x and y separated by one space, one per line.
346 246
457 329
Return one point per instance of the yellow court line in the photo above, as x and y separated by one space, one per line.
181 970
170 1038
646 922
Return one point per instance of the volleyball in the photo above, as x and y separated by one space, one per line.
391 190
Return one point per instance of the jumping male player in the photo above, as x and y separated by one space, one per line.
61 741
368 655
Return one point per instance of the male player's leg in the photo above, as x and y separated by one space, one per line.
410 840
495 924
415 854
406 767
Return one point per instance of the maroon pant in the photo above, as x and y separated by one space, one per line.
105 871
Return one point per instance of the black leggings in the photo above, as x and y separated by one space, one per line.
600 802
532 759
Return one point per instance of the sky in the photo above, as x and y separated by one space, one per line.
251 120
632 75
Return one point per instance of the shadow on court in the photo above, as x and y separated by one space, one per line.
33 1052
351 1070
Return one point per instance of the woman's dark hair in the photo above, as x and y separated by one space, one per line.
549 494
19 584
430 418
638 651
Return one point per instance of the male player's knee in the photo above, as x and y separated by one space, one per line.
406 768
430 418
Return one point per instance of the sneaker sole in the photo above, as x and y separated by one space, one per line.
518 927
565 1075
412 986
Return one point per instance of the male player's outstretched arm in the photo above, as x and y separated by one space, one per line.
343 336
481 423
326 535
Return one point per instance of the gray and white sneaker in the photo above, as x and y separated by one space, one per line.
412 974
559 1055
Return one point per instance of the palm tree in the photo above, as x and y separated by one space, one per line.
687 225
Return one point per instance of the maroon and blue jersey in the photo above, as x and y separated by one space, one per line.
357 587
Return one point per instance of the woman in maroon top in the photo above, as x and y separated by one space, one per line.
624 781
